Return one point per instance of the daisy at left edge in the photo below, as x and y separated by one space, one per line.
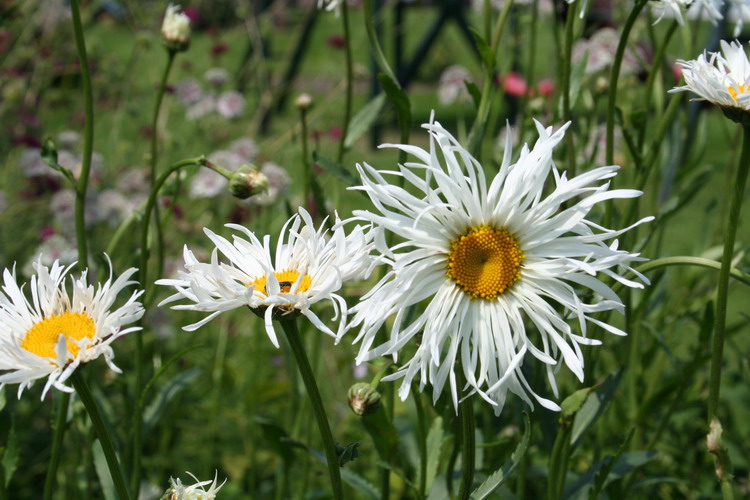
309 266
54 332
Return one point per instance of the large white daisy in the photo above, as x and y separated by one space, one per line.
723 79
309 266
499 266
179 491
54 332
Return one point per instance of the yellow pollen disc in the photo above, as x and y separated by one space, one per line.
485 261
742 89
42 338
286 280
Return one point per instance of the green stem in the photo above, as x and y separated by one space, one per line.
306 173
289 326
372 35
83 391
477 129
722 298
349 79
88 137
143 278
530 70
468 425
614 77
570 21
157 107
691 261
558 458
421 438
59 432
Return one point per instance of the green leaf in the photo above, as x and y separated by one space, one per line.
383 433
353 479
319 199
498 477
594 406
474 92
435 440
395 93
49 156
363 120
276 437
102 472
484 50
335 168
577 77
347 453
627 463
573 403
166 394
10 453
606 469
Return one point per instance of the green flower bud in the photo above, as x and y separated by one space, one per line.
363 399
247 181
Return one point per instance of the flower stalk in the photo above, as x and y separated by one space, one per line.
349 79
57 440
83 391
289 325
468 451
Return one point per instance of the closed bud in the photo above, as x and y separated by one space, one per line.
363 399
247 181
303 101
176 29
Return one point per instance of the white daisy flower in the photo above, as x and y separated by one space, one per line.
723 80
51 334
674 8
488 260
308 267
179 491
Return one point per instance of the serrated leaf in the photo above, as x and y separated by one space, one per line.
347 453
102 472
335 168
573 403
435 439
594 407
10 453
165 395
498 477
363 120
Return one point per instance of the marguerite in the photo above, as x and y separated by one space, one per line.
309 266
51 334
723 80
497 266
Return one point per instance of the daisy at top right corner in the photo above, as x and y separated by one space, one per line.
722 78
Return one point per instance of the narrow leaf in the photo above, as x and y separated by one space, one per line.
335 168
102 472
166 394
594 407
435 439
363 120
10 453
499 476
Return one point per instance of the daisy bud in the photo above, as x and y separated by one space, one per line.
303 101
247 181
363 399
176 29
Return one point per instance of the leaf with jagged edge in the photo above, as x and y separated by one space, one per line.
502 474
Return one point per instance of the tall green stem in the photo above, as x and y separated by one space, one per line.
82 389
468 425
143 279
306 171
88 137
615 76
57 440
349 79
289 326
570 22
477 129
372 35
80 223
422 439
723 467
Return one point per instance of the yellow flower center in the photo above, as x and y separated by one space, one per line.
42 338
485 261
742 88
286 280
